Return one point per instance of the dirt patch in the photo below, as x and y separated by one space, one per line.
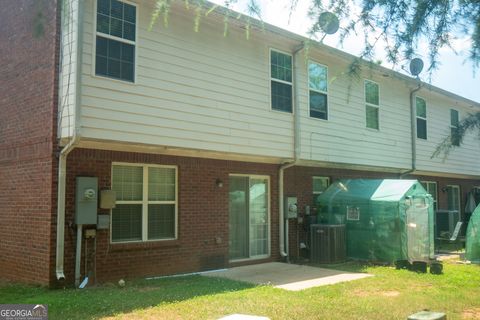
363 293
390 293
420 287
473 313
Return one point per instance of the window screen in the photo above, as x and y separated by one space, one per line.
421 107
281 81
146 195
320 184
454 127
372 103
115 40
317 82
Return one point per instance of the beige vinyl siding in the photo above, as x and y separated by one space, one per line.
193 90
344 138
209 92
68 69
464 159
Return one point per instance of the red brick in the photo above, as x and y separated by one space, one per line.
28 103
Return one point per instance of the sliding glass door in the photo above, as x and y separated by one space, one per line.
249 224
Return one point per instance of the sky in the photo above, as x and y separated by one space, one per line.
455 74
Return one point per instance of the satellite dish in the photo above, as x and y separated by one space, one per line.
416 66
328 22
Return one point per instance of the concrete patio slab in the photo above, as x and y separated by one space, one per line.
286 276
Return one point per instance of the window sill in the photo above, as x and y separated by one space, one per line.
154 244
319 119
128 83
287 113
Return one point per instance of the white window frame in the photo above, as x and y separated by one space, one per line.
452 126
145 202
280 81
422 118
318 91
456 186
371 104
134 43
319 178
476 189
435 200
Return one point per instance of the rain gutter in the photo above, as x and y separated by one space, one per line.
62 161
413 131
283 227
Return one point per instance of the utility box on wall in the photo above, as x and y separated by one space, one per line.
291 209
107 199
86 200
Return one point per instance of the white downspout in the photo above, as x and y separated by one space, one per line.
62 161
413 130
283 228
282 231
62 177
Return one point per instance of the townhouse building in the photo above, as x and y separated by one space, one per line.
201 136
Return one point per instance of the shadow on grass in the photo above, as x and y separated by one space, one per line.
349 266
108 300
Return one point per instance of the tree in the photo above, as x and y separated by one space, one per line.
399 26
404 24
469 124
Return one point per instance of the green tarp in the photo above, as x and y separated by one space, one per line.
472 245
386 220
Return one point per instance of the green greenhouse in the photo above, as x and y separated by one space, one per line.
385 220
472 245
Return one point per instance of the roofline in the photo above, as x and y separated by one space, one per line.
261 25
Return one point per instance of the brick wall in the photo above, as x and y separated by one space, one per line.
27 138
298 182
202 213
465 187
202 216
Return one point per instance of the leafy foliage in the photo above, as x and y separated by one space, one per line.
399 26
469 124
204 8
402 25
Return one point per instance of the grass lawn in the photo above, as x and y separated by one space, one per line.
391 294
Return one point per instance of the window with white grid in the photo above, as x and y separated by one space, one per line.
146 205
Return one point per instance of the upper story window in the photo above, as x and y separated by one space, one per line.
421 114
146 206
317 83
453 127
372 104
115 40
281 81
